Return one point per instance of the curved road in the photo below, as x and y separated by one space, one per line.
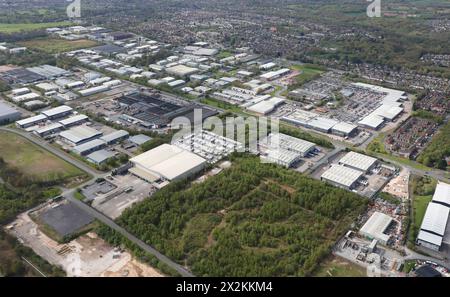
69 195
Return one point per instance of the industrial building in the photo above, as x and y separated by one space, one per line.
166 162
281 157
272 75
115 137
358 161
48 130
265 107
100 157
31 121
344 129
376 226
48 71
286 142
94 90
74 120
8 114
139 139
208 145
57 112
181 70
89 147
79 135
433 231
342 176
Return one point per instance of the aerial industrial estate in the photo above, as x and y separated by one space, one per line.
220 148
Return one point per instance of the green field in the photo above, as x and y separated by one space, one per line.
14 28
420 206
56 45
33 161
337 267
308 73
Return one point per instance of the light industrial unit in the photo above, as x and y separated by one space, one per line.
342 176
79 135
358 161
376 226
434 225
299 146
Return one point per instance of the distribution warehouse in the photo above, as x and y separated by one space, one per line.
434 230
166 162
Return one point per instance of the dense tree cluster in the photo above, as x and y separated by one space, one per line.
253 219
12 263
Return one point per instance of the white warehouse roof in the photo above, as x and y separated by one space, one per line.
442 194
74 119
372 121
290 143
57 110
435 219
358 161
376 225
168 161
32 120
430 237
344 127
342 175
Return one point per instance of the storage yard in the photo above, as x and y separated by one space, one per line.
356 172
87 256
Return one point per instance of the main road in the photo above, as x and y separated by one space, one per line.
69 195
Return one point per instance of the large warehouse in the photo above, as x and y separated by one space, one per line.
376 226
297 145
166 162
433 230
341 176
358 161
8 114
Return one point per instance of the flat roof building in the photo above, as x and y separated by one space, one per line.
8 114
166 162
376 226
341 176
358 161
